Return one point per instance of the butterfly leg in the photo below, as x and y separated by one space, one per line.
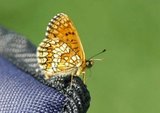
84 78
71 81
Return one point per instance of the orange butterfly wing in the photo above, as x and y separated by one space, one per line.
61 52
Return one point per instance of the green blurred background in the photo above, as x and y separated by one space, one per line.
128 78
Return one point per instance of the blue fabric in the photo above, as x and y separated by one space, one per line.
21 93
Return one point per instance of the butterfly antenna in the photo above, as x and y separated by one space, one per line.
98 53
97 59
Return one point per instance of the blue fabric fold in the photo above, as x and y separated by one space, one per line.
21 93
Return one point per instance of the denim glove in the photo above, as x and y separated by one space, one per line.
23 88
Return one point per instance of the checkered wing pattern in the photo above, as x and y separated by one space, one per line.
61 52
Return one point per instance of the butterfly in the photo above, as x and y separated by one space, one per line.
61 51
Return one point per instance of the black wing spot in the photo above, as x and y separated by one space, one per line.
50 26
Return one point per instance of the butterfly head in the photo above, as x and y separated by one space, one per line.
89 63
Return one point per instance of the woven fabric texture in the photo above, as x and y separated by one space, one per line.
21 93
23 88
